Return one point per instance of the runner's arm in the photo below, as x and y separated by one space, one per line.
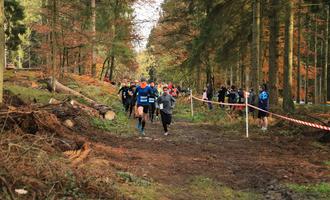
121 89
136 92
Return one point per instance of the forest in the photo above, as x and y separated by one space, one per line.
245 85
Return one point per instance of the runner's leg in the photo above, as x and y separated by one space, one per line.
140 116
145 110
152 112
164 121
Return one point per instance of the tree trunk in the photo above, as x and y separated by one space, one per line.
307 63
53 41
306 76
238 71
299 54
198 77
315 99
80 68
288 104
255 44
261 46
2 47
273 52
325 94
103 68
93 72
320 74
112 67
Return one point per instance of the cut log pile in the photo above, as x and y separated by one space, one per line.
94 108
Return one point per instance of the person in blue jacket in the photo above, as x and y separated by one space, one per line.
263 103
142 93
152 101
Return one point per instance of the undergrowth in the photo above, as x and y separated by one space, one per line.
317 191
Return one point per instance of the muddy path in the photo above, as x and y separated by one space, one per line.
210 151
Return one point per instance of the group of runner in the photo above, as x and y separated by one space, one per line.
144 100
147 100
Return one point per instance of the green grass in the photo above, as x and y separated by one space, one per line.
119 126
28 95
130 178
318 191
206 188
139 188
202 114
323 108
327 163
199 188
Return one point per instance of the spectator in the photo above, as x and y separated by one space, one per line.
221 95
263 103
233 96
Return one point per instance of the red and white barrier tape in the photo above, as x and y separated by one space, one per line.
293 120
219 103
277 115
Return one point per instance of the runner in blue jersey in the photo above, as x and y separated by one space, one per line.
263 103
142 94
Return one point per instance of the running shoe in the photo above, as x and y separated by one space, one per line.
142 132
166 134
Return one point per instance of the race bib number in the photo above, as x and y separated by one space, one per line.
161 106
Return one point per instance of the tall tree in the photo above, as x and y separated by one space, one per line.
2 47
93 7
53 44
299 54
255 44
308 45
325 66
315 99
273 51
288 104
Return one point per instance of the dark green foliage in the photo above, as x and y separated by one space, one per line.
14 14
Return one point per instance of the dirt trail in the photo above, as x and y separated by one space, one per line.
204 150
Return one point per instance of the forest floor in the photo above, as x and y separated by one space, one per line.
207 157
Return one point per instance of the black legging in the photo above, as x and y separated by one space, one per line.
131 107
152 110
127 104
166 120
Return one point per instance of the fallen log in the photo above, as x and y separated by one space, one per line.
103 111
89 110
60 88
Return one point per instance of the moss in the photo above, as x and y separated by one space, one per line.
29 95
317 191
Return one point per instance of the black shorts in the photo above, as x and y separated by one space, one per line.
262 114
145 108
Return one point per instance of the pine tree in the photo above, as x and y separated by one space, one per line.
2 47
288 104
273 52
